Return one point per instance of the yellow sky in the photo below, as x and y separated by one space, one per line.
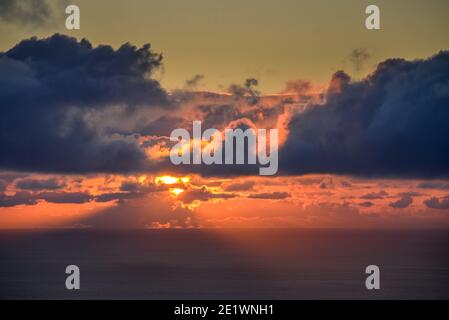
272 40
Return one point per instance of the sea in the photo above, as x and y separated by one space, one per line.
158 264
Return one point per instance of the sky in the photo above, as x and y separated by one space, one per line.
271 40
86 115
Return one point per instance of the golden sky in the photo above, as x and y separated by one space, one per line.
271 40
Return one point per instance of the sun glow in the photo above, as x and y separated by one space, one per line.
176 191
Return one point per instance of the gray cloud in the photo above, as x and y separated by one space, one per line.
64 197
375 195
394 123
44 184
366 204
19 198
240 186
270 195
49 88
436 203
402 203
202 194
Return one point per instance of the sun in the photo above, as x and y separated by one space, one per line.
171 180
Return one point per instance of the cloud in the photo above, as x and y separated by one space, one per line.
202 193
65 197
35 184
19 198
50 91
32 12
163 126
30 198
402 203
366 204
151 212
240 186
270 195
118 196
218 116
327 183
394 123
300 87
375 195
434 185
3 185
247 91
194 81
436 203
76 108
358 57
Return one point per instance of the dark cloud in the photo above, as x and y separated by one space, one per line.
48 90
19 198
402 203
44 184
394 123
65 197
240 186
130 186
30 198
375 195
327 183
136 187
436 203
270 195
7 178
366 204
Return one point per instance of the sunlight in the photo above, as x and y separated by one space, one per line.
171 180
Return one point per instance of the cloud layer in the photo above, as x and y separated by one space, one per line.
69 107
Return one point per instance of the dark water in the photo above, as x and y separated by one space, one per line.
232 264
